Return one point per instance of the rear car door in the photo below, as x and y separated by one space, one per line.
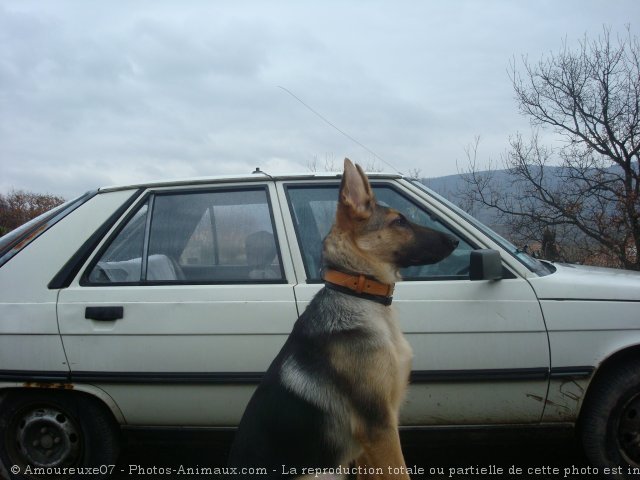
481 352
183 306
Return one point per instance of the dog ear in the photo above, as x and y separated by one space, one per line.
356 197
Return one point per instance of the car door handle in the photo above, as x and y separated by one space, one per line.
104 313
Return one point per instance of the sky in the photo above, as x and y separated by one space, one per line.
117 92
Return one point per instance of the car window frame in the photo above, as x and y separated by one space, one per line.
374 183
149 196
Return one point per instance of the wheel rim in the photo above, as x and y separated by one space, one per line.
46 437
629 430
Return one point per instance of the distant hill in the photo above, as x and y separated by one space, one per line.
452 187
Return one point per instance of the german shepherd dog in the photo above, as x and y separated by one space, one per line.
332 395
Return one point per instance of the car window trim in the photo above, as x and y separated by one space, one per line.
144 261
150 196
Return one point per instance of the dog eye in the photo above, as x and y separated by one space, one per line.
401 221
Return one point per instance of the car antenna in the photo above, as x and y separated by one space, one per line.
317 114
257 171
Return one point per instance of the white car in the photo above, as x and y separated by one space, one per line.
162 304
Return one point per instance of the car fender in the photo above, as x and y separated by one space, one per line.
88 389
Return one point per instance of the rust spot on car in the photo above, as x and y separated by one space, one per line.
52 386
20 245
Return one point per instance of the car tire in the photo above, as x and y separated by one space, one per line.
610 422
50 431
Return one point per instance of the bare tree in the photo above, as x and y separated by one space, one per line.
372 165
415 173
586 191
19 207
329 163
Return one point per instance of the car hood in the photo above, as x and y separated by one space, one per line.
577 282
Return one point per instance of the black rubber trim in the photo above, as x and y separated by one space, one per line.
587 300
34 376
571 372
480 375
70 269
253 378
217 378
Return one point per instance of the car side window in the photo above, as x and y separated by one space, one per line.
313 209
222 236
121 261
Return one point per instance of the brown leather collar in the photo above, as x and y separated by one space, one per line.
360 284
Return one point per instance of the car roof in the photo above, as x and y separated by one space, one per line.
256 176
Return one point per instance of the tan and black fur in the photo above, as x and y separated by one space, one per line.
332 395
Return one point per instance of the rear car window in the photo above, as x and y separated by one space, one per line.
221 236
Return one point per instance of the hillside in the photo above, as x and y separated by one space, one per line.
453 187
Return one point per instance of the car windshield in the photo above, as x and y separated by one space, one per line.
533 264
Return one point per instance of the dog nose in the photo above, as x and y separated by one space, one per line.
454 241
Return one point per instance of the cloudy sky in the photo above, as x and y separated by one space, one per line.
98 93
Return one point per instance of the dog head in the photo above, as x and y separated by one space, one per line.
371 239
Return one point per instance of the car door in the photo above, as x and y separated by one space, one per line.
481 353
182 308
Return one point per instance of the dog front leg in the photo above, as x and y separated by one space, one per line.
382 457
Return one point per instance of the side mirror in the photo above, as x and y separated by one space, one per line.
485 265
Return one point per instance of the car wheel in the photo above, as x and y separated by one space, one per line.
52 432
610 423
